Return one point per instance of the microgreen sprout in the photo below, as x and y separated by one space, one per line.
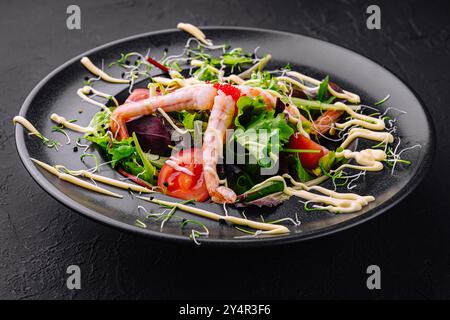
52 144
382 100
245 230
196 233
394 156
60 129
91 155
169 214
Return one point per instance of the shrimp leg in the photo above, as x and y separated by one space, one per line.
196 97
221 118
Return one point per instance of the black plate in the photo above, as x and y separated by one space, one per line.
57 93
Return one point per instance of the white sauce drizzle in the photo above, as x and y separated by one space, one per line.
265 228
109 181
198 63
368 159
74 180
87 63
87 90
175 74
235 79
195 32
334 201
282 79
72 126
294 117
349 96
359 119
169 120
27 125
355 133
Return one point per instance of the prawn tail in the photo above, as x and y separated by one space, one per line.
224 195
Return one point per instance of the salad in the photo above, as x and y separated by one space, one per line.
219 125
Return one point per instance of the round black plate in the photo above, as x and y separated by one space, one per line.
57 93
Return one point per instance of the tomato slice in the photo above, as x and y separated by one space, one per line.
180 184
308 160
137 95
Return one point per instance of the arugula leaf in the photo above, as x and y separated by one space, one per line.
323 89
150 170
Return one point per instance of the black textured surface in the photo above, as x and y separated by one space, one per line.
39 237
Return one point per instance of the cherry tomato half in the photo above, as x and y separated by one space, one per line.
308 160
182 185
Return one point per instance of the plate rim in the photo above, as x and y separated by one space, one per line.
61 197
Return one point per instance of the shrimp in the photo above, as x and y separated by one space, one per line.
221 118
324 123
253 92
195 97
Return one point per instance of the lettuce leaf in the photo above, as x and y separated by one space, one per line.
249 111
120 150
271 190
259 131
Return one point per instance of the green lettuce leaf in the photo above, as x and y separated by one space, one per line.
120 150
259 131
100 122
249 110
262 190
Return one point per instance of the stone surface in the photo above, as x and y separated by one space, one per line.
39 237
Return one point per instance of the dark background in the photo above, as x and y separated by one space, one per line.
39 237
